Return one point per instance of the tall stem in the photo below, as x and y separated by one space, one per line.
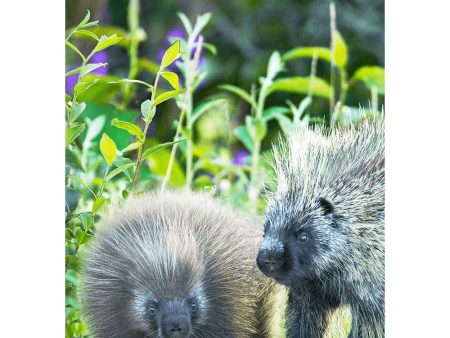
333 61
133 24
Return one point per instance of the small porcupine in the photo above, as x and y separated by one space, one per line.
177 264
324 228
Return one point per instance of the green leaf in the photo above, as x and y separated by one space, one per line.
242 134
84 85
203 107
98 204
340 50
240 92
72 199
108 149
120 161
304 104
90 67
271 112
172 78
131 147
73 159
210 47
77 109
73 132
275 66
118 170
172 53
134 81
85 20
73 71
129 127
147 111
201 22
372 76
307 52
75 49
167 95
157 148
87 33
257 128
106 41
80 181
284 122
301 85
186 23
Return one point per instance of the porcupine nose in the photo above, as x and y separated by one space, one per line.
270 258
176 326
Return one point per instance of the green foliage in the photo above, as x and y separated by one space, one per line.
110 153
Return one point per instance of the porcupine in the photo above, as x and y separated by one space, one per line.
324 228
177 264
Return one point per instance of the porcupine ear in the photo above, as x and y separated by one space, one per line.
328 210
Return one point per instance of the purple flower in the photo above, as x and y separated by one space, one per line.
99 57
176 33
240 158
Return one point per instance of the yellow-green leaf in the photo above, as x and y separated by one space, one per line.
157 148
172 53
240 92
172 78
108 149
98 204
340 50
372 76
129 127
301 85
168 95
307 52
106 41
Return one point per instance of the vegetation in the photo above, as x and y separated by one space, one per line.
112 123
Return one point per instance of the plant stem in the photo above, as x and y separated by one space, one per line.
147 124
333 61
133 24
173 152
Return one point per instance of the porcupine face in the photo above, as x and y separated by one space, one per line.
170 315
300 244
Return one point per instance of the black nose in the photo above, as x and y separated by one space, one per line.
176 326
270 260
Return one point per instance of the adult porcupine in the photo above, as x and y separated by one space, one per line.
177 264
324 228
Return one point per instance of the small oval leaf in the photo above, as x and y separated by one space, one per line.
108 149
172 53
168 95
129 127
172 78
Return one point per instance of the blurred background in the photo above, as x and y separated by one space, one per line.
245 33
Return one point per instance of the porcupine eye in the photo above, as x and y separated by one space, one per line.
302 238
152 307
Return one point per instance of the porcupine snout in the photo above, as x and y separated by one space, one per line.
175 321
271 256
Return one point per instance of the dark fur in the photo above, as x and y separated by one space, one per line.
324 230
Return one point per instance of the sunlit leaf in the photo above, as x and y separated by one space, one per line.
340 50
147 111
91 67
172 78
130 147
75 49
172 53
372 76
240 92
84 85
106 41
129 127
99 202
87 33
118 170
275 65
307 52
168 95
157 148
108 149
301 85
134 81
